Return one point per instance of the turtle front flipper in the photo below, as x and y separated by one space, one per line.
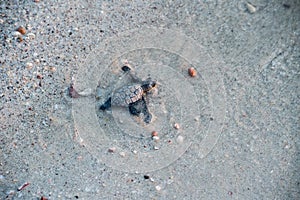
136 108
139 107
106 105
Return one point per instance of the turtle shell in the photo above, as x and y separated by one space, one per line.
126 95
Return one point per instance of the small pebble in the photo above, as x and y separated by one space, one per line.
112 150
122 154
8 40
251 8
154 133
192 71
126 68
146 176
52 69
176 126
158 188
31 36
21 30
39 76
16 34
20 39
155 138
29 65
179 139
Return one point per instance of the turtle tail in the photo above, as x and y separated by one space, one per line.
106 105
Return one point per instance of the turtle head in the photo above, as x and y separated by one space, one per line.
148 85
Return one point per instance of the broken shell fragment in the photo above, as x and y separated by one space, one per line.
86 92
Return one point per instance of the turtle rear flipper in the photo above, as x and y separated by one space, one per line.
106 105
147 114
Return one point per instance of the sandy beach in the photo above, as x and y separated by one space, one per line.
223 117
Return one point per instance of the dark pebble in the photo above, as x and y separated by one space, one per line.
126 68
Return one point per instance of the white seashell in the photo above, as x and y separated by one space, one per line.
251 8
16 34
179 139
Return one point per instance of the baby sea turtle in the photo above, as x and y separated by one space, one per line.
132 96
